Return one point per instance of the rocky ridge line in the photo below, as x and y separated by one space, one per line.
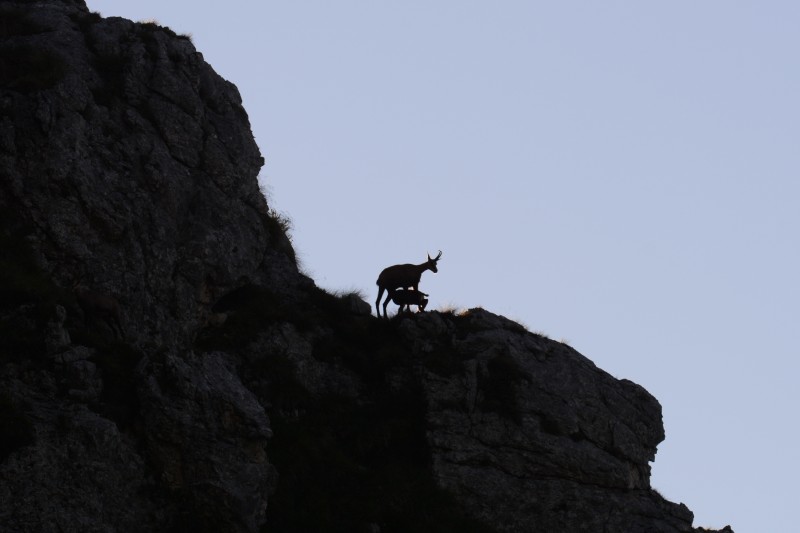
239 396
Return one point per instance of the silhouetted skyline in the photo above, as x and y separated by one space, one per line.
623 176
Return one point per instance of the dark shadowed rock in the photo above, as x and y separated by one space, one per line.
208 436
127 165
234 395
136 164
531 435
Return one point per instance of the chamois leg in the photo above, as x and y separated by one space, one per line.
378 301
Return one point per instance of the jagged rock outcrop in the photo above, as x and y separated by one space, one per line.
125 150
127 166
237 396
524 432
535 418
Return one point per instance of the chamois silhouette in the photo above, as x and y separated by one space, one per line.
402 277
408 297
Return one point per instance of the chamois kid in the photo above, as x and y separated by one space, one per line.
408 297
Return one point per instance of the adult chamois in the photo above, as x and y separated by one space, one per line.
402 277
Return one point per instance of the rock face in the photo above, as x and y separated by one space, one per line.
535 418
234 395
133 160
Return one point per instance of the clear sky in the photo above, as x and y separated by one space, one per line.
623 176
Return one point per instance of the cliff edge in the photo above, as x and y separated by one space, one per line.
164 365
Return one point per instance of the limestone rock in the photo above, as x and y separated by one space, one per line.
237 396
147 191
208 435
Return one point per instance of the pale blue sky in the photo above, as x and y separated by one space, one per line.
620 175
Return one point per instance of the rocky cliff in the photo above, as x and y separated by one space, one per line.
164 366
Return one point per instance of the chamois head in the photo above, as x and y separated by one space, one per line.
431 264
